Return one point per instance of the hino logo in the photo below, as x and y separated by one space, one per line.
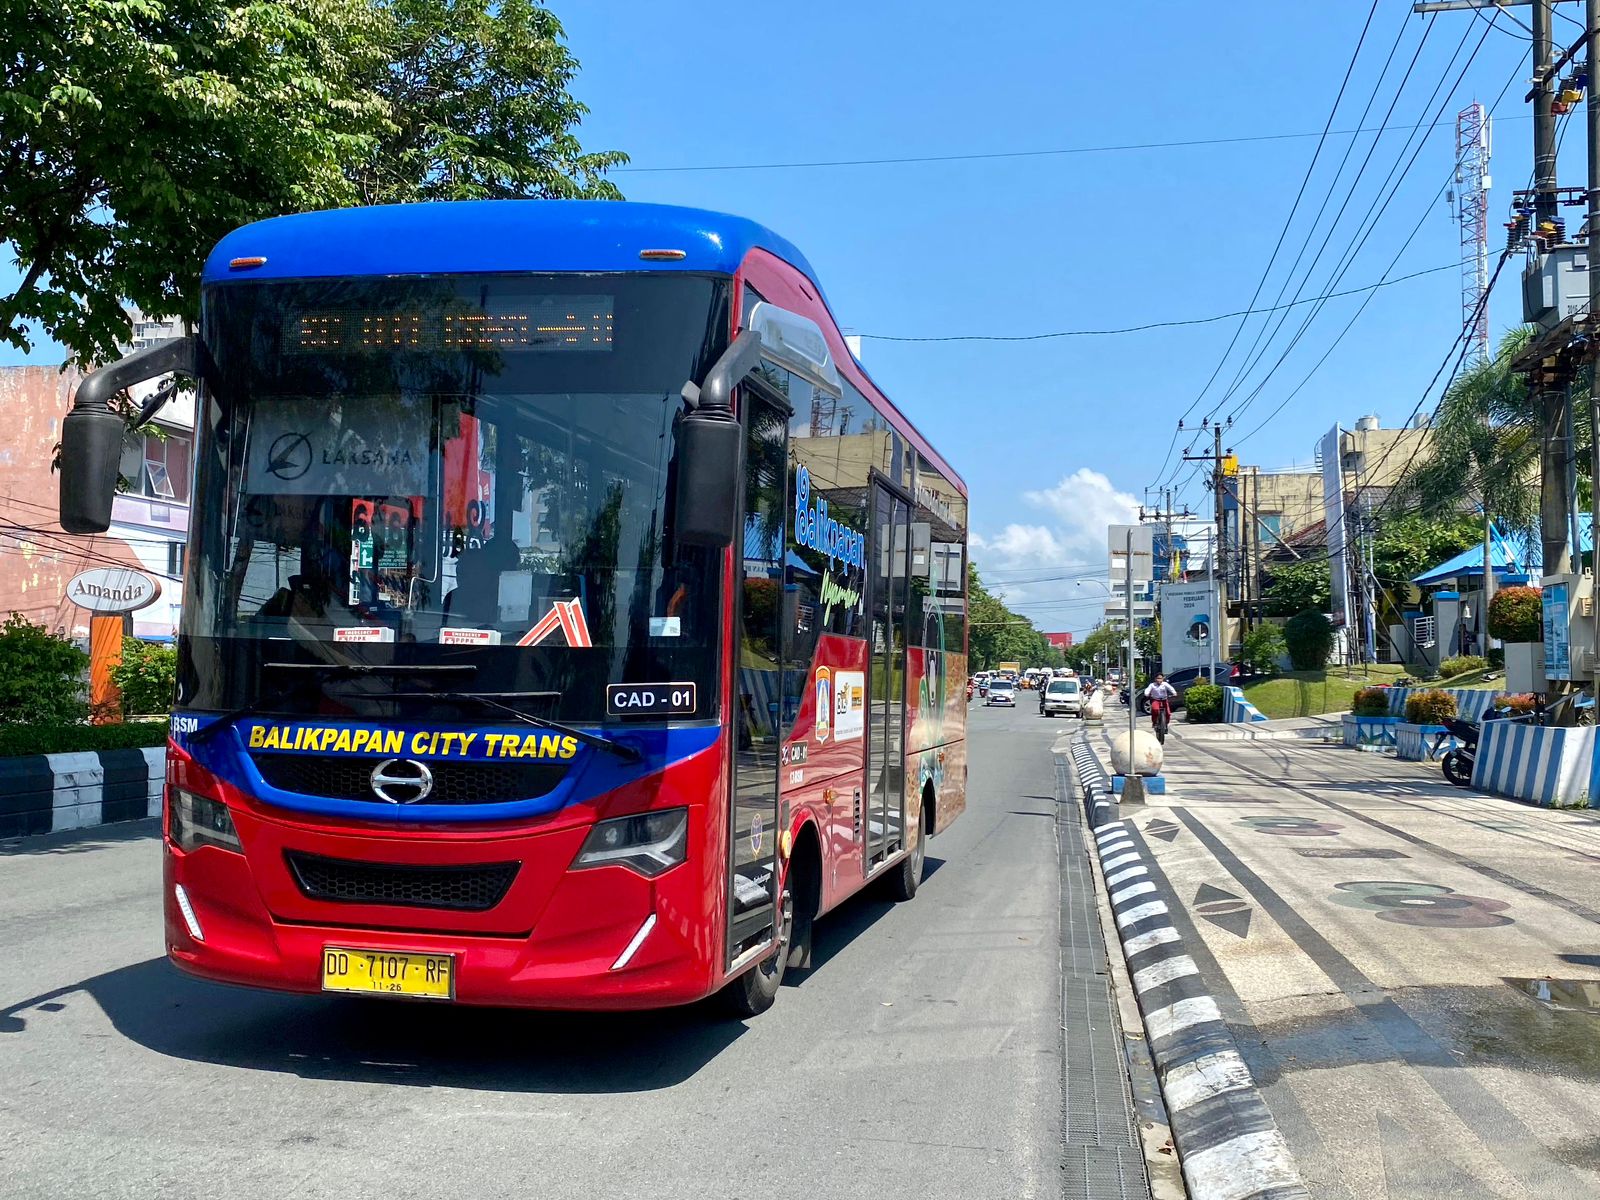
402 781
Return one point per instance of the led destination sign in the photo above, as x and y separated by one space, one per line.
540 323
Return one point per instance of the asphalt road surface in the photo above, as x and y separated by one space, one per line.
921 1057
1412 970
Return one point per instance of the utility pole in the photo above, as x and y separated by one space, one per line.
1219 553
1592 112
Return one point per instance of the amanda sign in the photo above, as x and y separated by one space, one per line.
113 590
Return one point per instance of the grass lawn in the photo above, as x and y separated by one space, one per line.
1311 693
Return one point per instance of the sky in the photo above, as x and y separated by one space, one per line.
1058 437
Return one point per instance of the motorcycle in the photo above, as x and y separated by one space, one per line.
1161 718
1457 763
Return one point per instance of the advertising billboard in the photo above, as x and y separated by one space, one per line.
1188 611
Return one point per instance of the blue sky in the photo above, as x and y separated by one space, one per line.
1054 436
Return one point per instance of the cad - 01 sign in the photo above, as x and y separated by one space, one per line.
1187 636
112 590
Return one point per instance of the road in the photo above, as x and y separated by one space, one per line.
1411 970
921 1057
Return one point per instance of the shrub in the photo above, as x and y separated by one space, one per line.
1371 702
1463 664
41 675
1263 646
71 739
1203 702
1309 636
146 676
1430 708
1517 705
1516 614
1497 658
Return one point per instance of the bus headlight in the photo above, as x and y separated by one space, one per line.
648 843
194 821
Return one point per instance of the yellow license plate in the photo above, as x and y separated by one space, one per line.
388 973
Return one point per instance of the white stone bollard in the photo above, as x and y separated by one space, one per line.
1147 754
1094 708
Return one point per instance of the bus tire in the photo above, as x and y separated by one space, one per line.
903 883
753 993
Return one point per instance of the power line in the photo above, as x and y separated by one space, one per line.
1070 333
986 156
1288 221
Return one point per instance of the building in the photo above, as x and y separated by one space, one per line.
149 519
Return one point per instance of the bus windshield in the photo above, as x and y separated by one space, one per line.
469 471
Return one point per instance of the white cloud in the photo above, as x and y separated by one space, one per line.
1072 537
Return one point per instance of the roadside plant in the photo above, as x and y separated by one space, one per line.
1430 707
1371 702
1309 636
1263 646
1203 703
146 676
1516 614
41 676
1463 664
1517 705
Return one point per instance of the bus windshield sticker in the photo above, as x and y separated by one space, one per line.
355 446
666 626
565 615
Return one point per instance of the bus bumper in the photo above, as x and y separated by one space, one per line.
574 955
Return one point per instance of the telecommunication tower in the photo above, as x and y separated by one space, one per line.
1470 200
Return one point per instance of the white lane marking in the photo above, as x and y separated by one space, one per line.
1129 892
1141 942
1247 1165
1175 1018
1135 915
1164 971
1122 877
1205 1077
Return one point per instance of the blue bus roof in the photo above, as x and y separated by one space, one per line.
468 236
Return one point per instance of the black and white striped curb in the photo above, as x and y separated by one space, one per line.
1229 1146
49 793
1099 805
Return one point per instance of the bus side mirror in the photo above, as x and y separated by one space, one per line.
709 450
91 434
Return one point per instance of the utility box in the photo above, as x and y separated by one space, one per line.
1568 627
1555 285
1525 667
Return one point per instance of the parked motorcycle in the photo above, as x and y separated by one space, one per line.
1457 763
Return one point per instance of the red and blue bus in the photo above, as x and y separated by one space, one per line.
569 620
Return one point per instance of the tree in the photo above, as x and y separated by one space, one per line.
1309 636
1262 647
41 676
1297 586
478 107
1484 452
1407 545
135 133
996 634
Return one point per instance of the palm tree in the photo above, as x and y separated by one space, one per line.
1484 452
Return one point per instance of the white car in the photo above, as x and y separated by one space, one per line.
1061 696
1001 691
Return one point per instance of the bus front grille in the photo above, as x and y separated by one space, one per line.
350 778
475 888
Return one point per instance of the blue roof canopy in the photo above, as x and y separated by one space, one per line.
467 236
1469 564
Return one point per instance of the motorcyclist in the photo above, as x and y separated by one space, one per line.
1159 696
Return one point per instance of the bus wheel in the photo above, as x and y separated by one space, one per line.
752 993
903 883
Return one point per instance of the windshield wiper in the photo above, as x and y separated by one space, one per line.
620 749
324 671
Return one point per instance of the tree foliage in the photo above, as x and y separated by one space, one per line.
1309 636
41 676
1407 545
135 133
1203 703
996 634
1262 647
1296 586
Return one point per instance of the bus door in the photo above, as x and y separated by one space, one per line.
758 678
886 677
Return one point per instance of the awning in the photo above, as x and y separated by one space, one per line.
1469 564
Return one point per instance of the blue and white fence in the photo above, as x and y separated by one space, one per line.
1236 709
1422 743
1539 764
1471 703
